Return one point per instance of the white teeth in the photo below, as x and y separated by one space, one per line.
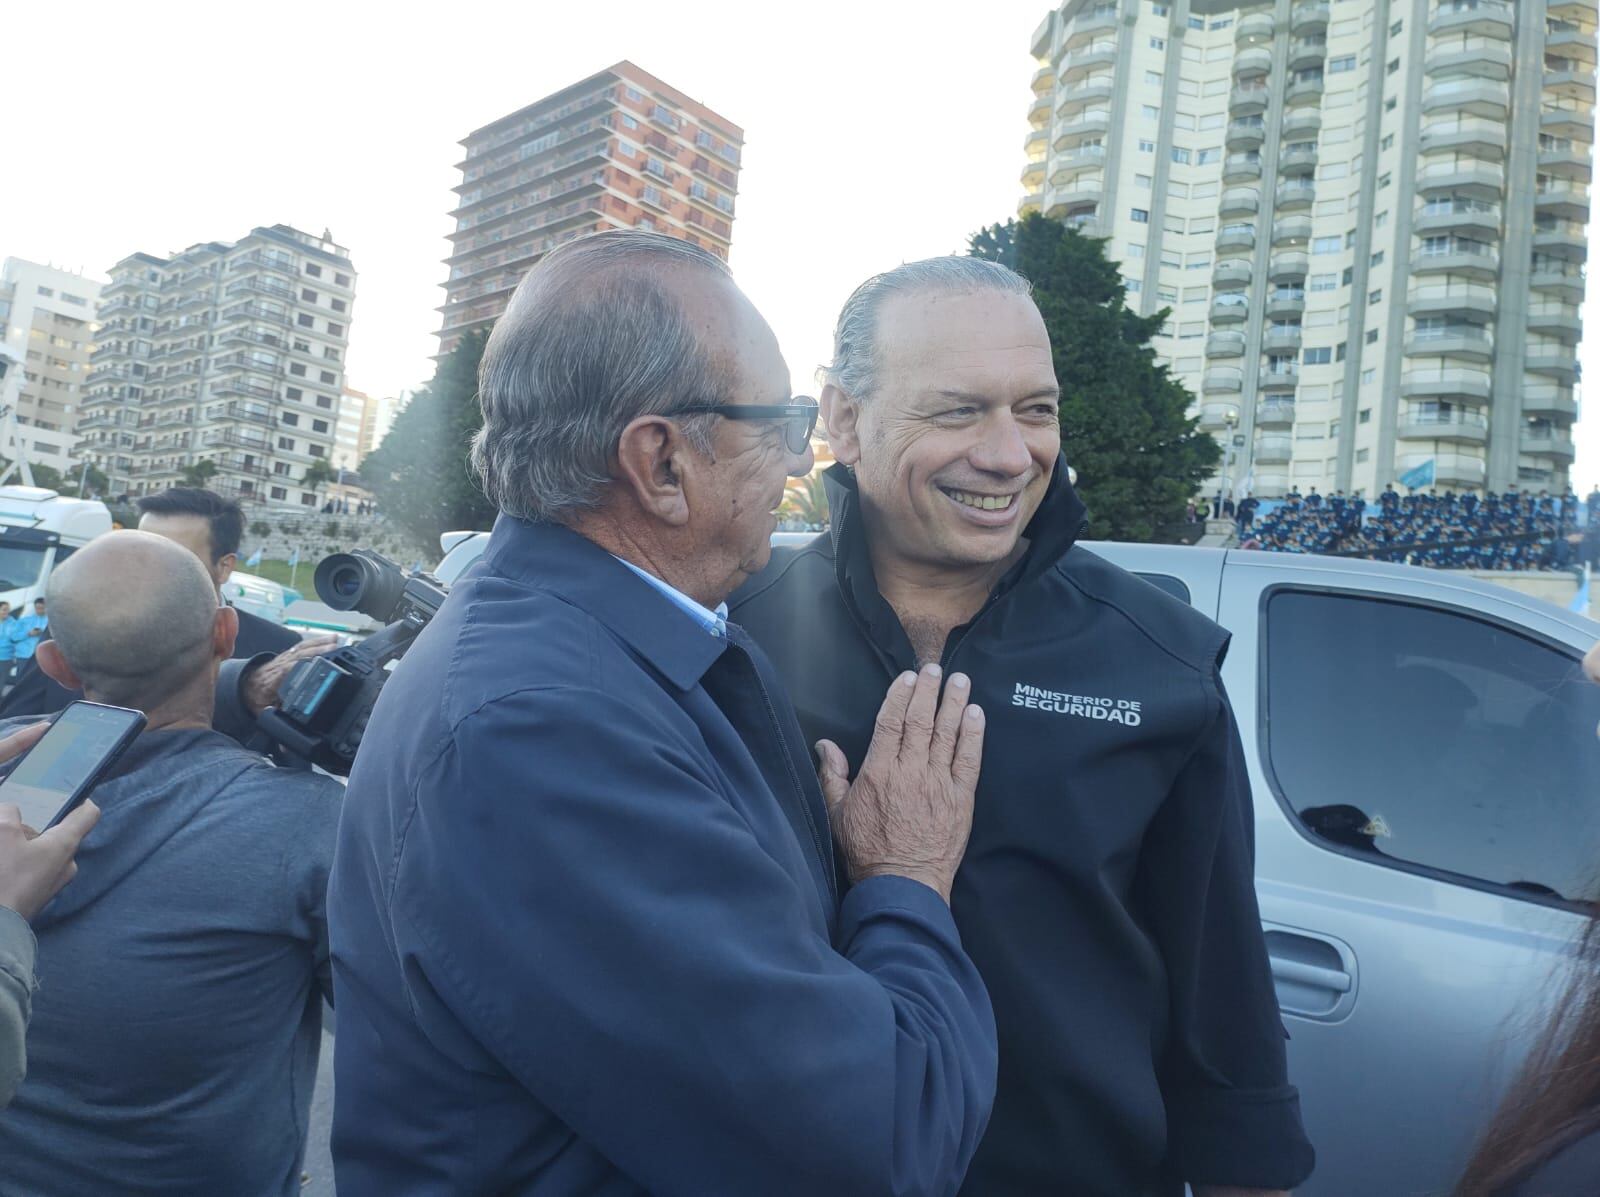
982 502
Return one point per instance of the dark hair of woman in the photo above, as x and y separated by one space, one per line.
1555 1100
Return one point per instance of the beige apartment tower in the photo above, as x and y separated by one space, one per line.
620 149
1366 216
47 338
229 352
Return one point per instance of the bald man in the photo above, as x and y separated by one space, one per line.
174 1039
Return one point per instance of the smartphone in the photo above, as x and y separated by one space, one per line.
58 772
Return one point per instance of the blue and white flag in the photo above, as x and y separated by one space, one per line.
1580 601
1422 475
294 558
254 559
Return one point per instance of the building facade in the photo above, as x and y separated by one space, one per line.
620 149
46 329
1366 216
229 352
364 420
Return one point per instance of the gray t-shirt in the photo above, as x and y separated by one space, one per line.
181 977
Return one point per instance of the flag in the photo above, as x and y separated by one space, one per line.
1580 601
1420 476
253 560
294 558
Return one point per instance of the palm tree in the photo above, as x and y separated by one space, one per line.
806 500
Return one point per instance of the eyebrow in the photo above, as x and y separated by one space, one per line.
975 397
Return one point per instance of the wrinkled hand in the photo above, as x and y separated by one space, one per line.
909 811
261 683
33 868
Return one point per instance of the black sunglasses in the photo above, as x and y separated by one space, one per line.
799 417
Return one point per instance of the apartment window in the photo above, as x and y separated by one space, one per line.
1170 258
336 330
1395 28
1322 282
1383 181
1197 23
328 376
1369 375
313 270
1132 286
1380 220
1338 66
308 295
1204 224
1152 78
316 450
1377 259
1159 10
1318 357
294 393
1350 239
319 425
1364 416
1180 155
1348 276
628 122
1372 336
290 418
1213 120
1339 351
298 369
1149 112
1375 296
305 321
1221 23
1167 295
632 94
1146 147
277 492
1388 105
1213 154
1195 294
1394 65
1135 250
1172 224
1198 262
307 499
337 305
325 401
1142 181
286 443
1140 215
47 292
1387 143
1362 455
1325 245
1188 87
341 280
1178 190
1158 43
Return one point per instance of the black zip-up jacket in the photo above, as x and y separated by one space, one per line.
1107 895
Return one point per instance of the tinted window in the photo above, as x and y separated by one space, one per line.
1413 734
1173 586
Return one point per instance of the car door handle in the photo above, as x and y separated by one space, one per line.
1313 975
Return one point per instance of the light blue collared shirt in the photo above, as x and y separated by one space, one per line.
715 622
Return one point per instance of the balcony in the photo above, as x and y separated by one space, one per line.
241 386
1303 91
1039 112
1281 379
1236 238
1033 174
1086 189
1451 340
1288 265
1252 62
1291 230
1258 26
1037 143
1557 319
1294 161
1483 139
1477 217
1217 415
1078 158
1225 344
1461 257
1275 413
1296 195
262 260
1573 123
261 286
1458 299
1274 449
1547 400
1246 134
240 463
1281 338
1455 470
1089 123
1548 444
257 442
1033 201
100 419
1222 379
1491 60
1239 201
1248 101
1093 90
1044 79
254 311
1456 386
1454 427
1308 16
1087 26
254 413
1482 17
1307 52
1043 36
1571 83
1572 10
1565 279
1302 124
1569 201
1567 162
1232 308
1561 365
1476 97
1231 274
1571 42
1241 168
1285 302
1561 239
1081 62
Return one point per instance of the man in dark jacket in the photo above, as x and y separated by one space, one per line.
210 527
585 929
1108 896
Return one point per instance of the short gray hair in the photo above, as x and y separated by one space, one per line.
592 340
856 355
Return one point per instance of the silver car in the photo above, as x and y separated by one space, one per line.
1426 772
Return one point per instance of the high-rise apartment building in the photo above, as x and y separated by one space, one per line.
46 329
1366 216
620 149
229 352
364 421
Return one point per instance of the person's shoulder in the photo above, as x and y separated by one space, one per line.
1167 622
1572 1170
258 635
792 570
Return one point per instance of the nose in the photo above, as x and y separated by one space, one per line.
1001 448
801 464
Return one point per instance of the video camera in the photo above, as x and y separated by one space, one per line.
324 704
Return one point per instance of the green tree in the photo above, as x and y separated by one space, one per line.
419 474
49 477
318 474
806 499
1125 426
200 473
97 482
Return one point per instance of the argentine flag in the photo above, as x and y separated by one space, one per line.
1580 601
253 560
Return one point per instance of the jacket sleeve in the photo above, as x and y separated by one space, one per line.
230 714
1233 1118
577 905
16 1000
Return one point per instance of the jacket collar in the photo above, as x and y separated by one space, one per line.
555 558
1053 530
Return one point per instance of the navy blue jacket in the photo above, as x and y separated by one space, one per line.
585 933
1107 894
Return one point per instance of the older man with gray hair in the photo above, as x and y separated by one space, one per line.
586 931
1108 898
175 1034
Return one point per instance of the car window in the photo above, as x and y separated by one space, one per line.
1173 586
1420 736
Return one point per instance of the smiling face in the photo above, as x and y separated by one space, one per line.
954 451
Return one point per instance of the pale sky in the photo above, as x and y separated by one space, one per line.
877 131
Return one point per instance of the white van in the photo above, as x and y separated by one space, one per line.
39 529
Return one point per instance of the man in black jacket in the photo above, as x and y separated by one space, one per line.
210 527
1108 894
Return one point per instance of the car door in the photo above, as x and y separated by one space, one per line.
1424 763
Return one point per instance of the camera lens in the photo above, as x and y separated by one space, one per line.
362 581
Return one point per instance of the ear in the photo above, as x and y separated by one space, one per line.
652 457
54 663
223 569
224 632
841 415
